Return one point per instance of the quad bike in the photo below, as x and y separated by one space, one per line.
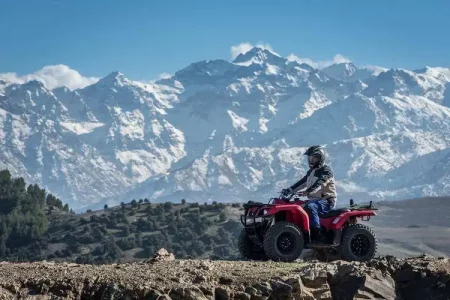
280 231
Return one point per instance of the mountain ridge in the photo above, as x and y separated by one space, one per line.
115 137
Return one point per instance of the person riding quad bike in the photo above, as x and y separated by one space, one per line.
320 188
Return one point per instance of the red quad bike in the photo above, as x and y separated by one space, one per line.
280 231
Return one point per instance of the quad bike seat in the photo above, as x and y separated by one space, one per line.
334 213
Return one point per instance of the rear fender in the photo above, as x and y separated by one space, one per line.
351 216
294 214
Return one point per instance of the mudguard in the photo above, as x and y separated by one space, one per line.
293 212
338 222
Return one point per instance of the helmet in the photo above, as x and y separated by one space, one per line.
316 156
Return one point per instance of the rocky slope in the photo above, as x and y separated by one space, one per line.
165 278
229 131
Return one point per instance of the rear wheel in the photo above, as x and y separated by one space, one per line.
283 242
359 243
248 249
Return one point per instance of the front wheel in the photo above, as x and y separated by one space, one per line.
283 242
248 249
359 243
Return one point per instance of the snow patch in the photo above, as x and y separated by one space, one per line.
82 127
239 123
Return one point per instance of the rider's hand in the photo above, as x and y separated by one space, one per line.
286 192
303 193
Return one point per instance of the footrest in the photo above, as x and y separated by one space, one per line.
312 246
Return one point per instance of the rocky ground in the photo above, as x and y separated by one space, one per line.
163 277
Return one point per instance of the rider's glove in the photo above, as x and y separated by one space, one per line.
286 192
303 193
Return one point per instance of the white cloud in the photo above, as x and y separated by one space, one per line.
243 48
293 57
164 76
376 69
53 77
337 59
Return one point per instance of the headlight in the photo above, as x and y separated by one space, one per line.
265 212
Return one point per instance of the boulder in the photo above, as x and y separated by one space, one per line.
221 293
161 255
358 282
191 293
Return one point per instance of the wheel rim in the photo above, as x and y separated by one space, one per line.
360 245
286 243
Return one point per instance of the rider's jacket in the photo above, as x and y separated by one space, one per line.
319 183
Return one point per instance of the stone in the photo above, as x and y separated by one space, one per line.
241 296
350 282
281 290
199 279
225 280
252 291
221 293
191 293
299 291
264 288
315 280
161 255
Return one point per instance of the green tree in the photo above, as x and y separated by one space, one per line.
126 231
2 247
105 207
222 217
168 206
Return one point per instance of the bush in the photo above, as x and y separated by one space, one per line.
126 244
222 217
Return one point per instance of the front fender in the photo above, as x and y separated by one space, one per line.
294 214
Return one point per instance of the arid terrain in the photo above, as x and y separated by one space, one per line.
163 277
412 227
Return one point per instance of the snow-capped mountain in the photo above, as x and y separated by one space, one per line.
348 72
227 131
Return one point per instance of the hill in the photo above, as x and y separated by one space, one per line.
37 226
134 231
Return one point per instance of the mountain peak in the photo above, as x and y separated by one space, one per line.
116 75
257 55
436 72
33 84
114 78
345 68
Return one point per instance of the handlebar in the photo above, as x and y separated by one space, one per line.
289 197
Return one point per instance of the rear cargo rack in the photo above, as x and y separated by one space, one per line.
354 206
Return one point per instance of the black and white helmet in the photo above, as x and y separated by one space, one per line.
316 156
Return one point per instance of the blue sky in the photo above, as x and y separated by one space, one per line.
145 38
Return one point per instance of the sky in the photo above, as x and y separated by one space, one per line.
146 38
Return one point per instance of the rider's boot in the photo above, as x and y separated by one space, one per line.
317 236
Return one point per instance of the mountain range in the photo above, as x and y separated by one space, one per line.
222 130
